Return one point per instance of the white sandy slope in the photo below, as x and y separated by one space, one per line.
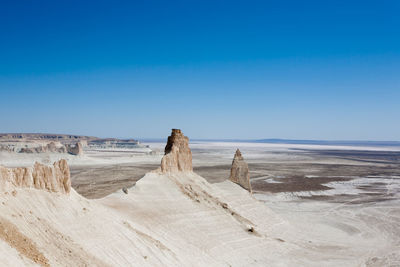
159 223
188 216
167 220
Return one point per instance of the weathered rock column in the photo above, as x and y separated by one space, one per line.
177 154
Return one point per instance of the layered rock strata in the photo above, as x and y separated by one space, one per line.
177 154
53 147
50 147
54 178
240 171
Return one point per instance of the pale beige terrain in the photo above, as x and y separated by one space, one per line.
344 211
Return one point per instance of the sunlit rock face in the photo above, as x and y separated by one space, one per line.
54 178
178 156
240 171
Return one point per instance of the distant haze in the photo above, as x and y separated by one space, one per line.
304 70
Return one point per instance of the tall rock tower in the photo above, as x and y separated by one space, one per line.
177 154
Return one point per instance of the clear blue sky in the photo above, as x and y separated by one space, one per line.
216 69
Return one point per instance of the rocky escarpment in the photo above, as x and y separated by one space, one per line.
240 171
50 147
39 143
54 178
77 149
53 147
177 154
45 136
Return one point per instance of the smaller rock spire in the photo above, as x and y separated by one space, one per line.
240 171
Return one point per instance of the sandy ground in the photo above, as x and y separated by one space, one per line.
326 205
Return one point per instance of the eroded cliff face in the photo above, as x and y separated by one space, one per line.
240 171
178 156
50 147
54 178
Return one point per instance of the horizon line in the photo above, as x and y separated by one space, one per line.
266 140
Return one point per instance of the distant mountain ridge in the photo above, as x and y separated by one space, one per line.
328 142
305 142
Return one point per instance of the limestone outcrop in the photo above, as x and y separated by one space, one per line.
53 147
240 171
54 178
177 154
50 147
76 150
